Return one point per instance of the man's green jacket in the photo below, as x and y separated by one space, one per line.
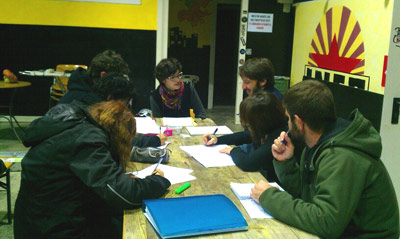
341 189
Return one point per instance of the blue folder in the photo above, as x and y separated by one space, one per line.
196 215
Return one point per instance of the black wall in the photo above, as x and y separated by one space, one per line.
276 46
31 47
349 98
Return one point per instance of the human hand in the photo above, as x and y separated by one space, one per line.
209 140
226 150
258 189
162 137
132 175
282 151
158 172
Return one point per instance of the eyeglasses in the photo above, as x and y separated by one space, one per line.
173 77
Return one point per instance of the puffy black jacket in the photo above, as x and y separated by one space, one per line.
71 184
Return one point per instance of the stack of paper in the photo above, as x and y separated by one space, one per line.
182 121
173 174
200 130
209 156
146 125
254 209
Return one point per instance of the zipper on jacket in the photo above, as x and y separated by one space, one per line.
120 196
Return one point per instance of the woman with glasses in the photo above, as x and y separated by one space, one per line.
173 98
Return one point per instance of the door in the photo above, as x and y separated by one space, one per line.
227 40
390 124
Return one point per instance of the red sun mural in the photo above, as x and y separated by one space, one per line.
337 43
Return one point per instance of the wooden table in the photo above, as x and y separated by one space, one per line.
209 181
10 117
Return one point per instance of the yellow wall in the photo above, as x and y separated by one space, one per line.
200 19
374 18
80 14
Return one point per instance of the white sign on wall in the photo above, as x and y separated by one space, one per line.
260 22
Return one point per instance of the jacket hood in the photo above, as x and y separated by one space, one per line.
79 80
359 135
56 120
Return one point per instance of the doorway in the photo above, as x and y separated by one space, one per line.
226 54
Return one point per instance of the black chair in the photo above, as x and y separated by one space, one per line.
5 173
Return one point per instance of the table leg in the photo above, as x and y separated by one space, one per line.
10 117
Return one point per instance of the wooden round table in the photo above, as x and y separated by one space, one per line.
18 84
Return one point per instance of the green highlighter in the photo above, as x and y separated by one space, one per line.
182 188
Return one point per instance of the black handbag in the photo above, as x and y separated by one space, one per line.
150 155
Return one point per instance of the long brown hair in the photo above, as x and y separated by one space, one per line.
261 114
120 125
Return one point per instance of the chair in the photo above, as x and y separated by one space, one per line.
5 172
59 87
192 79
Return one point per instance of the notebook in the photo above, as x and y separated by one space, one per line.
254 209
195 215
209 156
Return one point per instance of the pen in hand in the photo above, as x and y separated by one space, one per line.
215 131
211 137
159 161
284 139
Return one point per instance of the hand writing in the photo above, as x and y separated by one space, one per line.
258 189
158 172
209 140
162 137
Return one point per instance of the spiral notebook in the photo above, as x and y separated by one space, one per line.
195 215
254 209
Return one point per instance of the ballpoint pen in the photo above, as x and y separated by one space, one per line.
159 161
284 139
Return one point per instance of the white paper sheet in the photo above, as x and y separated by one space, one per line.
254 209
200 130
173 174
209 156
164 145
182 121
146 125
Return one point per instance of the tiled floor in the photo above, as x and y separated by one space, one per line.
222 115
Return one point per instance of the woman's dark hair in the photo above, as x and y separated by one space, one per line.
166 68
114 86
262 113
107 61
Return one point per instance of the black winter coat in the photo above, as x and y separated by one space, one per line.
71 184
